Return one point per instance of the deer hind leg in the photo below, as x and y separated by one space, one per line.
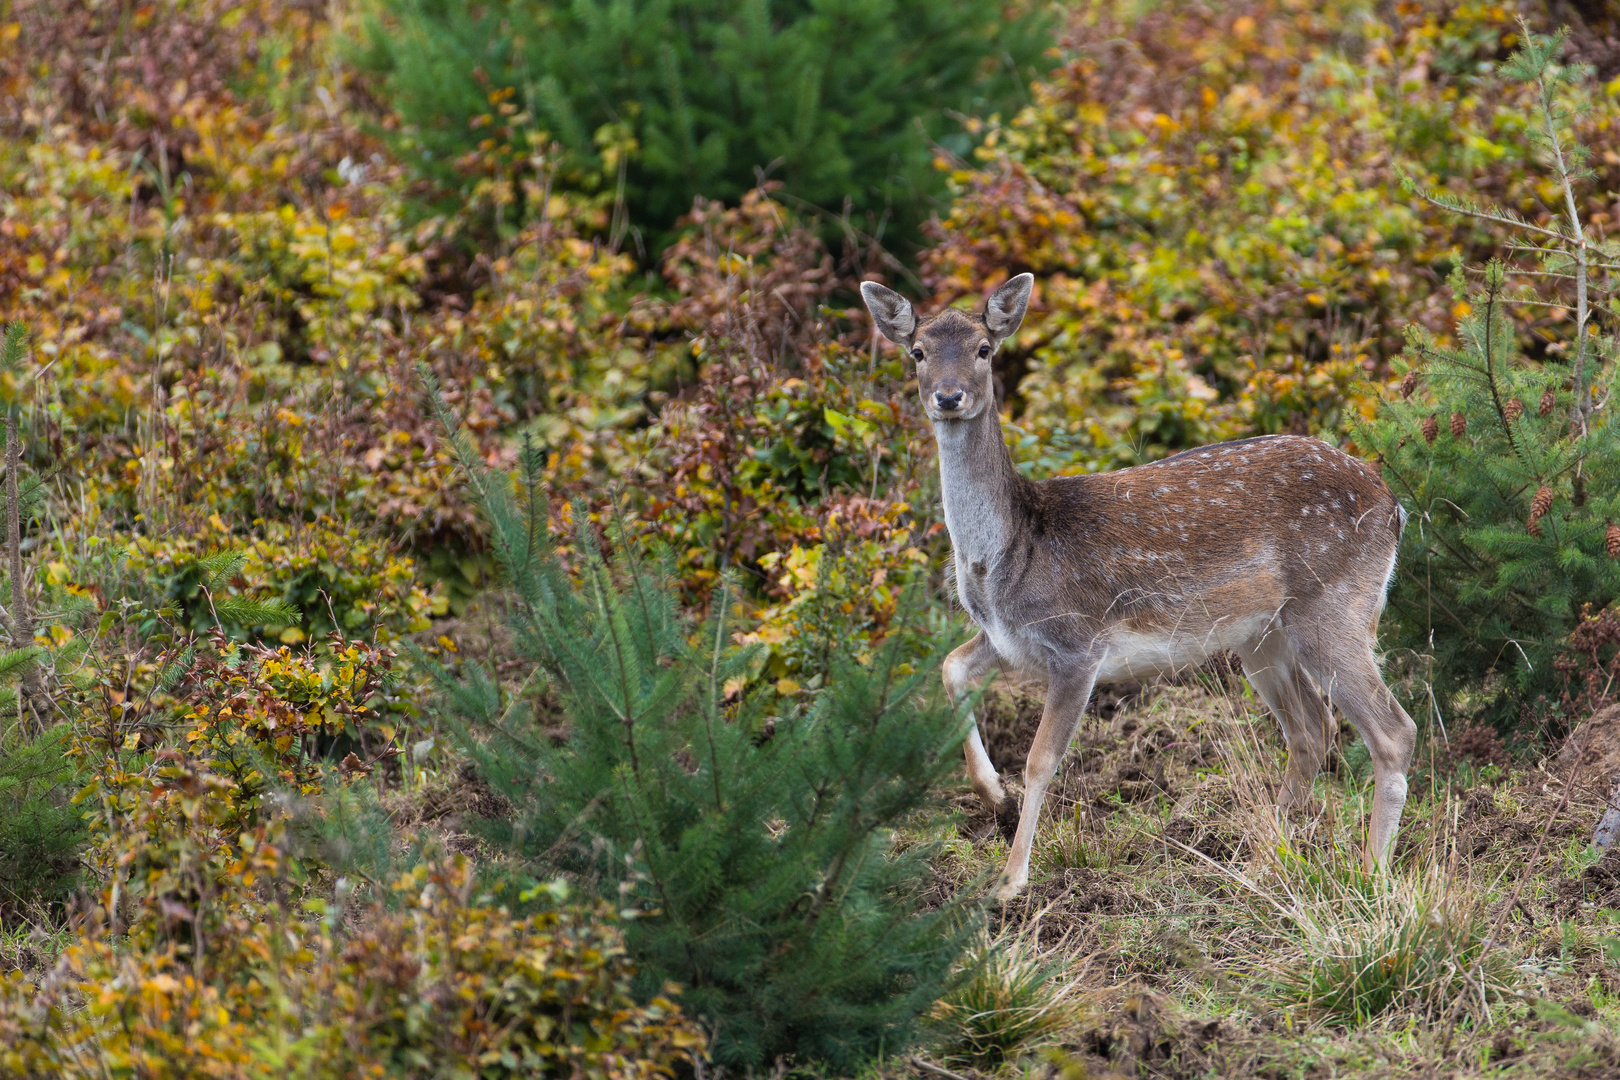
1066 697
1275 673
963 668
1348 672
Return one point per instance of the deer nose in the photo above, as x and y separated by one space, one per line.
947 402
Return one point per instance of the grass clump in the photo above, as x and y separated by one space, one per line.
1013 1000
1401 949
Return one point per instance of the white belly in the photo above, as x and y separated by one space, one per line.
1134 655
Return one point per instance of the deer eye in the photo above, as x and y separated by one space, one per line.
916 354
984 351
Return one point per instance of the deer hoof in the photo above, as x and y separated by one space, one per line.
1008 890
1007 819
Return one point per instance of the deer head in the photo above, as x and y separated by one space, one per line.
952 350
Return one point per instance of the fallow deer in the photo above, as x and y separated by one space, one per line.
1279 548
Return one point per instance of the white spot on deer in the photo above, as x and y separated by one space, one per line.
1305 511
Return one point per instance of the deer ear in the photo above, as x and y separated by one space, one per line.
891 313
1004 310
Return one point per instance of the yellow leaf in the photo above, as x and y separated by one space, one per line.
292 636
786 687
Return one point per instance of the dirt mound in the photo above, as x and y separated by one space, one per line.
1594 747
1136 1032
1598 885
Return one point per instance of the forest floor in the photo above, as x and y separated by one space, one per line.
1175 927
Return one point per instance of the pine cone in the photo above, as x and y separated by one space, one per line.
1459 425
1408 384
1541 503
1431 428
1513 409
1533 527
1611 541
1548 400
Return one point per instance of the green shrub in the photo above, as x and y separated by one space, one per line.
294 584
678 98
758 857
1509 462
41 832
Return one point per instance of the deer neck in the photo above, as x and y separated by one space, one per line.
976 482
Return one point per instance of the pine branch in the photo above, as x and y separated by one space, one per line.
246 611
13 661
1468 208
220 568
14 348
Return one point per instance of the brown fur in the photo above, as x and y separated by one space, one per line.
1279 548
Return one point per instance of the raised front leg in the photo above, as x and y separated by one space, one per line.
1066 697
966 665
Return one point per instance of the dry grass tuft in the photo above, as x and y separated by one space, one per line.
1015 999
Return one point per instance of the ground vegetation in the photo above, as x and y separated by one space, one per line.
365 519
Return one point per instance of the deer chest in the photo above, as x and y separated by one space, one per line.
1013 641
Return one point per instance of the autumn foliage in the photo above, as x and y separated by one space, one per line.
252 572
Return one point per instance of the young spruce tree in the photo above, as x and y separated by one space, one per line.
758 859
1510 466
41 831
843 100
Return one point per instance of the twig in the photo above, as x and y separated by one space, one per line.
937 1070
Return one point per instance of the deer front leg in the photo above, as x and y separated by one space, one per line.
1066 698
966 665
